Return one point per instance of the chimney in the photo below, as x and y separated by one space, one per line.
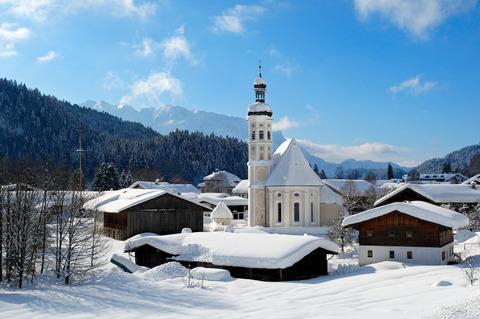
473 184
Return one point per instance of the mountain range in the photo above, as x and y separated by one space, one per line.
168 118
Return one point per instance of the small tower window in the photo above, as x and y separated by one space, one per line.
311 212
253 136
260 135
296 212
269 136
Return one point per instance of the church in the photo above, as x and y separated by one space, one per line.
283 190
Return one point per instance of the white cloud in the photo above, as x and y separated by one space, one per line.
42 10
415 86
10 34
233 19
418 17
112 81
366 151
146 48
285 68
49 56
149 91
284 124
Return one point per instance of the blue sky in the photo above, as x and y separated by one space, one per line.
367 79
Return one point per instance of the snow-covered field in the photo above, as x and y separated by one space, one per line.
385 290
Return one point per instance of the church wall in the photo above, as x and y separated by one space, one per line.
330 212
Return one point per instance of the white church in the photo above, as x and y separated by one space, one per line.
283 189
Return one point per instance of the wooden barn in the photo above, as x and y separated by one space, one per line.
259 256
128 212
415 232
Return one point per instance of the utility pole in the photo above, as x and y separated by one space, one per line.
80 154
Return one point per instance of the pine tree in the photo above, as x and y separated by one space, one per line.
390 172
323 175
447 168
106 178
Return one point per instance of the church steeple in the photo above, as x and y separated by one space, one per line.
260 86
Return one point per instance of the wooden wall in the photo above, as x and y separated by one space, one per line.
424 234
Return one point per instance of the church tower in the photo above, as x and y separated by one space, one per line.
260 162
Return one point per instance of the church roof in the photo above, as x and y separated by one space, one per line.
259 107
291 168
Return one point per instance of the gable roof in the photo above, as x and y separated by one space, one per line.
418 209
241 188
438 193
120 200
221 211
475 179
361 185
252 250
291 168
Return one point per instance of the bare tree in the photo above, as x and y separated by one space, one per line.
470 269
341 235
352 198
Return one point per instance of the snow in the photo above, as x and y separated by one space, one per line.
439 193
259 107
328 196
251 250
215 198
417 209
124 263
475 179
292 168
441 283
231 179
221 212
241 188
338 184
168 270
211 274
369 292
120 200
172 188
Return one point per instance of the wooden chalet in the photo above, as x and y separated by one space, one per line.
128 212
264 257
416 232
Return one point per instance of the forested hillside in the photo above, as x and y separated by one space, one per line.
36 129
465 160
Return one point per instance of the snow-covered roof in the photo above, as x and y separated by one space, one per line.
439 193
231 179
291 168
418 209
259 80
361 185
120 200
259 107
251 250
241 188
475 179
441 176
221 211
328 196
215 198
391 185
172 188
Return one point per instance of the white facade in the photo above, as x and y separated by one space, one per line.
418 255
283 190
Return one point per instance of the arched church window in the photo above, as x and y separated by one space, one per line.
253 136
260 135
296 212
296 195
311 212
269 137
269 156
279 212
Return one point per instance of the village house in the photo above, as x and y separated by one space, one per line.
172 188
451 178
415 232
258 256
241 189
236 204
128 212
219 182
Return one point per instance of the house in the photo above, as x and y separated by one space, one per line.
219 182
241 189
258 256
416 232
474 179
236 204
127 212
452 178
283 190
438 194
172 188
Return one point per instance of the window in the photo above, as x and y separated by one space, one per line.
443 255
392 254
369 233
260 135
369 253
311 212
253 136
279 212
409 255
279 194
409 234
261 156
269 135
296 212
391 234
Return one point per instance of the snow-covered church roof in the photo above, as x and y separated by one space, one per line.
259 107
418 209
291 168
221 212
251 250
